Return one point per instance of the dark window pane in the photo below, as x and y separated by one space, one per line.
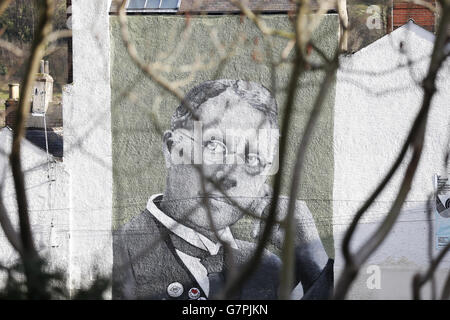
136 4
152 4
169 4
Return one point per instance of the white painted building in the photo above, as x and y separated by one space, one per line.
377 99
79 202
87 143
47 182
376 102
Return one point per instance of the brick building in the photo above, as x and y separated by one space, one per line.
403 11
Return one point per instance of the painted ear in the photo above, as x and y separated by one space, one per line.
259 205
167 147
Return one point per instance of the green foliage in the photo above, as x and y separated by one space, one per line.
17 26
20 19
3 69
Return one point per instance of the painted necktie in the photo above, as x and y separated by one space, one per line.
214 265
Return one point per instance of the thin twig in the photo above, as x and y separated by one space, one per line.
146 68
249 267
289 241
11 48
242 4
4 4
415 140
419 280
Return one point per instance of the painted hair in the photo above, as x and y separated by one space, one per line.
256 95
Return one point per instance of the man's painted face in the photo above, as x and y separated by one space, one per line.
231 145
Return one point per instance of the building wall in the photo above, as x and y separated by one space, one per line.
87 144
78 203
227 6
376 102
48 197
141 110
403 11
364 124
139 169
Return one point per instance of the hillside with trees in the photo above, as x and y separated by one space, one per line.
17 26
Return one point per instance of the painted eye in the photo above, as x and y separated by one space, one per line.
253 160
215 146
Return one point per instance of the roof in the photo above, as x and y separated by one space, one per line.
225 6
423 33
409 34
55 140
411 26
35 141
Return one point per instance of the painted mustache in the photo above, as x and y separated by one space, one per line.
227 183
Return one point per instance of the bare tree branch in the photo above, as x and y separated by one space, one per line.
11 48
8 229
233 284
30 255
446 291
419 280
242 4
4 4
423 3
146 68
415 140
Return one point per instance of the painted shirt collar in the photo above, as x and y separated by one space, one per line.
193 237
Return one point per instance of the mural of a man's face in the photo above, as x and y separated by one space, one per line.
229 143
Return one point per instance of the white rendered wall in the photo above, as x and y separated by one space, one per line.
87 144
371 123
47 193
374 110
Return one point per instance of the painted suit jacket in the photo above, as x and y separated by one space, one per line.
145 264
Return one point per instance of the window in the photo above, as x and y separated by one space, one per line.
152 5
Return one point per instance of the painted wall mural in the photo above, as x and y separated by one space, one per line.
192 178
442 211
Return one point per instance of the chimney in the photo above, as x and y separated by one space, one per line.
42 90
403 11
11 105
